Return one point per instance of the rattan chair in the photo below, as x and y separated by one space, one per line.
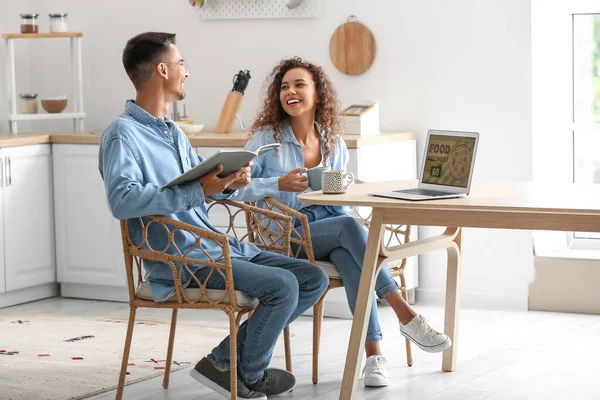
270 238
304 242
234 303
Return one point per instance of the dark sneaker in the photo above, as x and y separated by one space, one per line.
273 382
219 381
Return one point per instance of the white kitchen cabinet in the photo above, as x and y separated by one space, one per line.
3 182
27 262
28 217
380 162
89 251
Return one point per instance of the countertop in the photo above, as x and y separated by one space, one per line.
25 139
202 139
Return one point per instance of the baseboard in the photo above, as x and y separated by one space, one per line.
30 294
94 292
474 300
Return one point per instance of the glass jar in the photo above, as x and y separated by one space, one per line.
29 103
29 23
58 22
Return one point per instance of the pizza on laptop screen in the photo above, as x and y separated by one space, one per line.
448 160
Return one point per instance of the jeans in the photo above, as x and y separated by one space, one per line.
285 286
342 240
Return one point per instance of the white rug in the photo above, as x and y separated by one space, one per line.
59 357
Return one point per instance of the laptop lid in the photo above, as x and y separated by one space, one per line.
448 161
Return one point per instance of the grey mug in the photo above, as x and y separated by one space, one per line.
315 177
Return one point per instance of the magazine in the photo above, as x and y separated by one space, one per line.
232 161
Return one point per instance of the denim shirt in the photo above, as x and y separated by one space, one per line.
270 166
138 155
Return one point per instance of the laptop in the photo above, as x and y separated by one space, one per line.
447 167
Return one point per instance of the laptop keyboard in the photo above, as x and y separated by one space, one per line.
424 192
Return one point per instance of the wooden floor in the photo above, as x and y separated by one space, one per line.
502 355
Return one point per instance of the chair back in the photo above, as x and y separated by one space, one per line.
246 222
143 247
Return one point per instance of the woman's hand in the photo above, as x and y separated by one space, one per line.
245 176
293 181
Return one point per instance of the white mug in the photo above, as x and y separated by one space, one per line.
336 181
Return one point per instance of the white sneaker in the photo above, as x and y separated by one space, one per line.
426 338
374 371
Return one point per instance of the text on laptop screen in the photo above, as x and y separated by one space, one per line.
448 160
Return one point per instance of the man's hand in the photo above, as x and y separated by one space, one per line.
212 184
245 176
293 181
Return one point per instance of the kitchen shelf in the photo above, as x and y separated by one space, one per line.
76 72
44 35
44 116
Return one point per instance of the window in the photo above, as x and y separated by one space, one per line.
566 101
586 103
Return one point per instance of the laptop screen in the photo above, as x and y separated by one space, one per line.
448 160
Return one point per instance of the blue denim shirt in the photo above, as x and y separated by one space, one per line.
270 166
139 154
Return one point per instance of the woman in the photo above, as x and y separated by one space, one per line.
301 111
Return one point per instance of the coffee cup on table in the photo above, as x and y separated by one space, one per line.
336 181
315 176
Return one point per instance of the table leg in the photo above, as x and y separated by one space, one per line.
364 301
452 301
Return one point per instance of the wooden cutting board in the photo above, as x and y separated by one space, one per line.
352 48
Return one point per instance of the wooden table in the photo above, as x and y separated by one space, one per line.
500 205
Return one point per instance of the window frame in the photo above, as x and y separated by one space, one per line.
553 100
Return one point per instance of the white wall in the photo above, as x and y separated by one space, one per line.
461 64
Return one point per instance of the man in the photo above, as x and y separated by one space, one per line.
141 151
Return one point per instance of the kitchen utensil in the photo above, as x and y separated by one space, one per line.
29 23
175 116
240 81
29 103
352 47
293 3
58 22
190 129
233 102
55 105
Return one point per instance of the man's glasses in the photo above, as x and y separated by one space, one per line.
182 63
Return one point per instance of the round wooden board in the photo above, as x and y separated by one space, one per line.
352 48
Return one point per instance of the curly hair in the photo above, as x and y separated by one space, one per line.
327 111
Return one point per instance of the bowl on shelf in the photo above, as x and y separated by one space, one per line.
54 105
190 129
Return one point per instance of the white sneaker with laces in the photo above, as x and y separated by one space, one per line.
425 337
374 371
